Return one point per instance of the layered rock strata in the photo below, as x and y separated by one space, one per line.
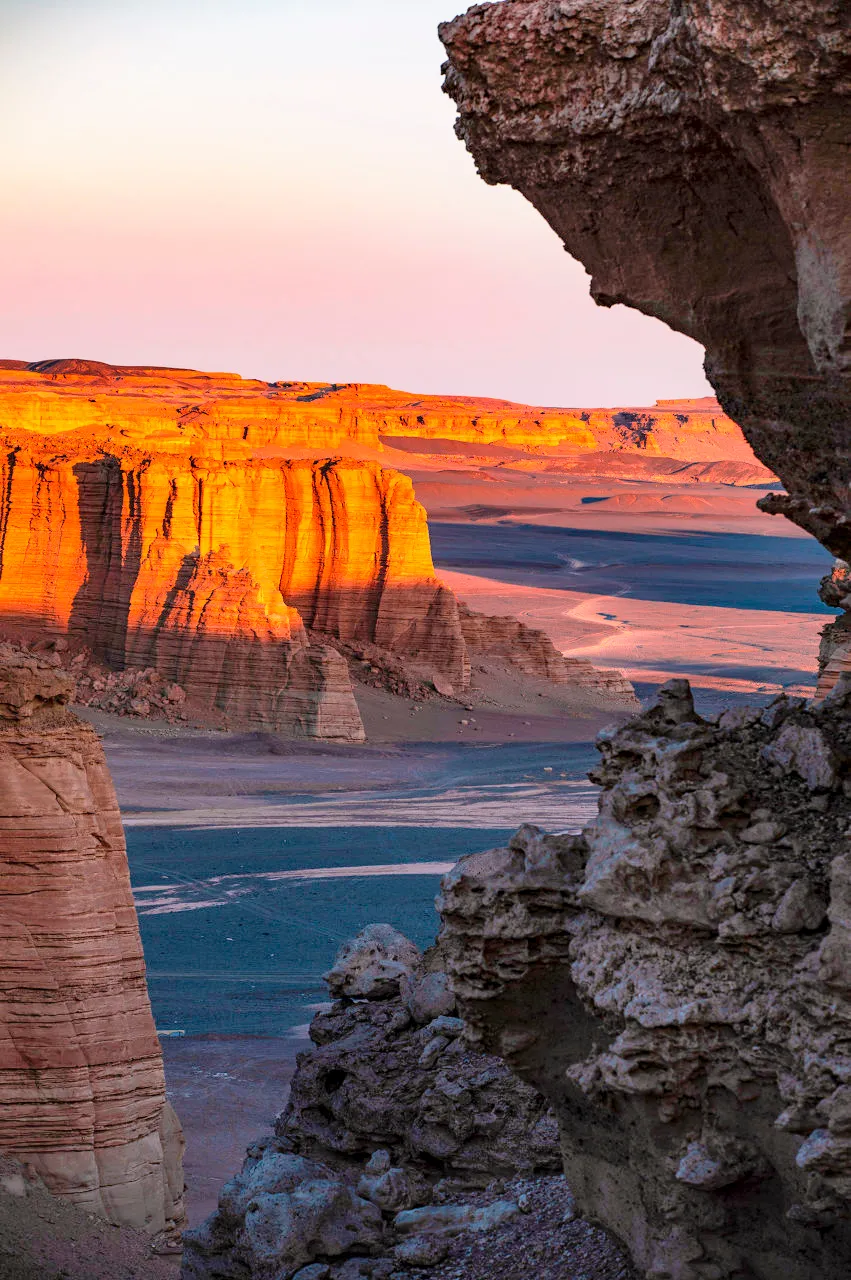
210 576
696 160
235 572
82 1094
175 410
676 982
532 651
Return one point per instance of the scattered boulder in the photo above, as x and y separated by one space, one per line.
372 965
392 1189
427 996
321 1218
421 1251
452 1219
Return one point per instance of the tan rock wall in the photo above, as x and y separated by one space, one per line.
220 416
82 1093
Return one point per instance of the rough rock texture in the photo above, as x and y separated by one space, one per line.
372 965
695 158
377 1079
391 1115
82 1095
677 982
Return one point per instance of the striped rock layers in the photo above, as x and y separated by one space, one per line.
173 410
210 574
82 1094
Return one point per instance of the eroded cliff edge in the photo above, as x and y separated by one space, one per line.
81 1075
695 158
676 981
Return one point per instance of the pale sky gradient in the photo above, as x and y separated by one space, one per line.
274 187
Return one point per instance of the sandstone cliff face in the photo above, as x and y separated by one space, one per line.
676 981
155 517
531 651
696 161
82 1094
225 416
210 575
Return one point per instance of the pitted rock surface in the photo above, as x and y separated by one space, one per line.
372 965
677 982
377 1080
695 159
390 1123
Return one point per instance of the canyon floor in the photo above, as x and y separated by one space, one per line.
253 857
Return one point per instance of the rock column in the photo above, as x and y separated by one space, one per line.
82 1092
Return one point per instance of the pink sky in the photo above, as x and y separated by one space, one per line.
274 187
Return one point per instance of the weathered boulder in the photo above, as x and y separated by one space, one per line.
392 1189
676 981
427 995
452 1219
368 1085
277 1216
372 965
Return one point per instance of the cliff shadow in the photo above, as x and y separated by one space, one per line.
723 570
112 548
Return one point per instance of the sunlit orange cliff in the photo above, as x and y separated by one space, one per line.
241 538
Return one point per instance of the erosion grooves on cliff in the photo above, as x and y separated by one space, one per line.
82 1093
170 521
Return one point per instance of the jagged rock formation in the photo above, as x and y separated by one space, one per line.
82 1094
676 982
378 1079
390 1115
160 523
696 160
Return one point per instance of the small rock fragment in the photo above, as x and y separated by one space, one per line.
422 1251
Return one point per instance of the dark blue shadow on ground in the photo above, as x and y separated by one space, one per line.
729 570
254 966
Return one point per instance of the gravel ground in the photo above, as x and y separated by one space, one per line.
547 1242
43 1237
